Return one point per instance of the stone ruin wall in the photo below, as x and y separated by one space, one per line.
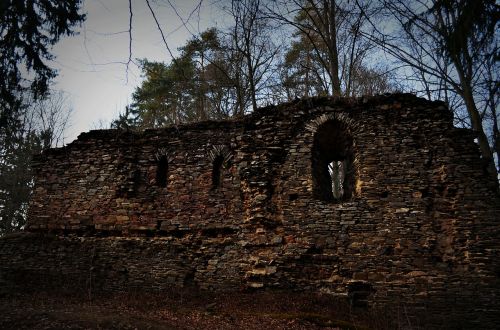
419 227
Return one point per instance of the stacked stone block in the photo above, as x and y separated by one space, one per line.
421 227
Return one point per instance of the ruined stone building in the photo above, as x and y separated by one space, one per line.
378 199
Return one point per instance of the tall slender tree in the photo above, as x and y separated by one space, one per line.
329 54
253 50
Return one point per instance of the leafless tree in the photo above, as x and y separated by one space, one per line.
41 125
329 34
252 49
446 45
52 116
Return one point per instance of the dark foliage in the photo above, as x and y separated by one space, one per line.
28 28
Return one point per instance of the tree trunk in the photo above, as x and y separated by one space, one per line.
308 65
491 105
477 126
251 75
332 47
465 73
202 115
239 97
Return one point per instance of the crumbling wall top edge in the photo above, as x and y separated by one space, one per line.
347 103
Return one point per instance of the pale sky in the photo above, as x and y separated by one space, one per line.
97 85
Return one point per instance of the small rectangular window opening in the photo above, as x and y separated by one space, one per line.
162 172
216 171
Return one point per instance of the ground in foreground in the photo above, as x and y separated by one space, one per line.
184 310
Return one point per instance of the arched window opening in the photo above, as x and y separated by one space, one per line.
332 163
216 171
162 171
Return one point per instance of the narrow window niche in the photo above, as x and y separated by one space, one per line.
216 171
332 163
162 171
220 156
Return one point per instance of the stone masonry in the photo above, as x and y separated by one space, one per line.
377 199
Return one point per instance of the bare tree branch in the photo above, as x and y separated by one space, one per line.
160 29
